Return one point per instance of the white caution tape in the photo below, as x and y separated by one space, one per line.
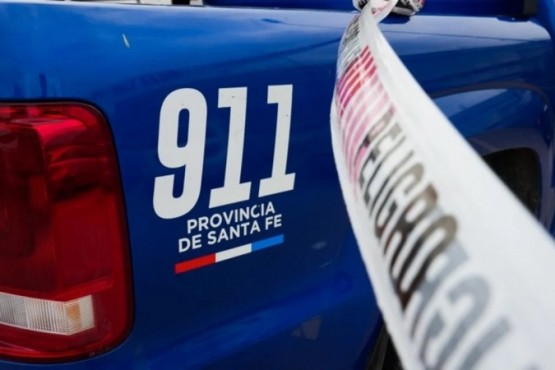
464 276
381 8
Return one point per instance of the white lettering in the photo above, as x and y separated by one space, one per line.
189 158
186 243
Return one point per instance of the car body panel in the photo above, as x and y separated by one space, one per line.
307 302
467 7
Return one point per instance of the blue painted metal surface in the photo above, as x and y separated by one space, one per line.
467 7
306 303
293 4
512 57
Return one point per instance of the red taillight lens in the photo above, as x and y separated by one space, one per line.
64 269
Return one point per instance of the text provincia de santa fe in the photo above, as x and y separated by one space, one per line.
229 225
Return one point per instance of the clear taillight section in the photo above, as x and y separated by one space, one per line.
64 269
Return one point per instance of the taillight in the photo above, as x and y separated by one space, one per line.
64 269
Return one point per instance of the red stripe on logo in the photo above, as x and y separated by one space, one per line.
195 263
